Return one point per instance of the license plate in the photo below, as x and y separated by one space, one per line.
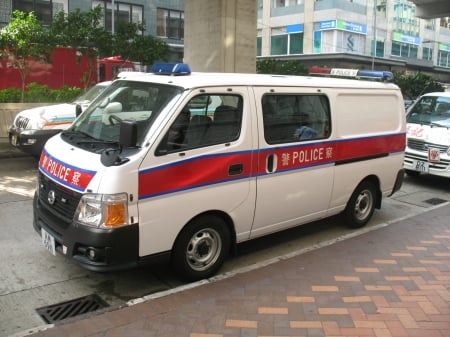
48 241
421 166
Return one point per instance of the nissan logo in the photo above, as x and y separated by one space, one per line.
51 197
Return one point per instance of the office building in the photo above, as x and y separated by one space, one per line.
383 34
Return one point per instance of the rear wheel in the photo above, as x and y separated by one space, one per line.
361 205
201 248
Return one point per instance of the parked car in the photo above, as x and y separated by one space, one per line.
31 128
428 135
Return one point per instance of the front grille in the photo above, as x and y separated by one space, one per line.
65 201
420 145
22 122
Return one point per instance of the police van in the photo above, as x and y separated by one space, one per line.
188 165
428 135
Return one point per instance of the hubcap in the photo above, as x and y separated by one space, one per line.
363 205
203 249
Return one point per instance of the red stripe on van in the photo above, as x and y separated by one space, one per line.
209 170
192 173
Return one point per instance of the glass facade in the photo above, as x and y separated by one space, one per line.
390 31
161 19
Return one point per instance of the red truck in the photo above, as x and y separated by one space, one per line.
68 67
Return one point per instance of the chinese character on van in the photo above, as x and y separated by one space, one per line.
189 166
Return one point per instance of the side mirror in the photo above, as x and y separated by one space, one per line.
127 138
78 110
128 133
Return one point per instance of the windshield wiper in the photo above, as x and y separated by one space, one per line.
440 125
91 139
77 133
98 141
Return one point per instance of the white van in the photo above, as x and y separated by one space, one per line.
188 166
428 135
31 128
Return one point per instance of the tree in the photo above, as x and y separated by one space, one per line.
273 66
132 45
23 41
414 85
82 31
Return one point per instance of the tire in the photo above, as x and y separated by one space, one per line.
361 205
201 248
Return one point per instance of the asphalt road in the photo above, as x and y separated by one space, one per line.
32 278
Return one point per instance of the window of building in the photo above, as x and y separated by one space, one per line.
430 24
44 10
427 53
294 118
259 46
122 12
445 22
286 44
380 49
286 3
170 23
404 50
349 42
444 58
279 44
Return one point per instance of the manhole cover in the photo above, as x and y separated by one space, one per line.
435 201
58 312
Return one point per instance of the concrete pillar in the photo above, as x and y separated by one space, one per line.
220 35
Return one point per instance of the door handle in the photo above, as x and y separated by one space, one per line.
271 163
235 169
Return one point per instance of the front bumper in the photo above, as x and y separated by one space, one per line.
95 249
419 162
30 141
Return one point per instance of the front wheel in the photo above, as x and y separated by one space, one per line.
361 205
201 248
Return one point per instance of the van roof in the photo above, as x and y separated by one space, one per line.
438 93
197 79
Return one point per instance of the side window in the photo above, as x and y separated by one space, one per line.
293 118
205 120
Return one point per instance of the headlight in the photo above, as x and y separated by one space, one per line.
103 210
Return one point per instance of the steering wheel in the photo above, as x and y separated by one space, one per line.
113 119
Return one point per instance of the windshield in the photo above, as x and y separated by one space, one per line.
431 110
91 93
139 102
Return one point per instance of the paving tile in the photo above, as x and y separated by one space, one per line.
391 282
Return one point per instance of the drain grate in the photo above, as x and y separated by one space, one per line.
57 312
435 201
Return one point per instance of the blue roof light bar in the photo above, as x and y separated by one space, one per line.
175 69
383 75
355 73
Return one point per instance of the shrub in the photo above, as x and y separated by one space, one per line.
10 95
37 93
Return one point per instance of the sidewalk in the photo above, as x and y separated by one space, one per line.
393 281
